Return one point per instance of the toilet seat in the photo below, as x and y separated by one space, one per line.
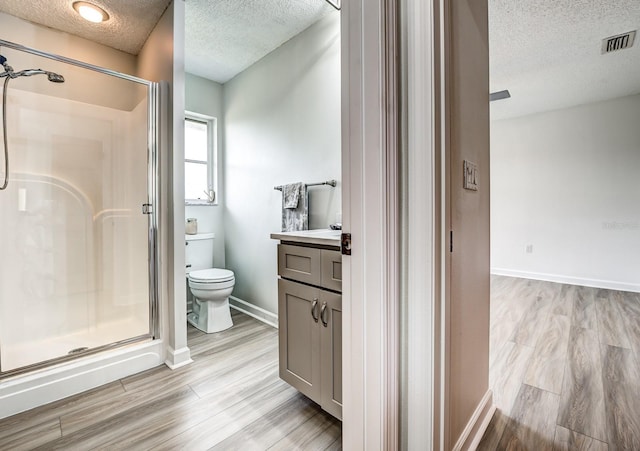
211 275
211 286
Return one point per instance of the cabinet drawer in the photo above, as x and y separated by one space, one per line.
299 263
331 262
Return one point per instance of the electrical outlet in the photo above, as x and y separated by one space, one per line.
529 248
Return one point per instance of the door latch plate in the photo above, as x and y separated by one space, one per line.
345 244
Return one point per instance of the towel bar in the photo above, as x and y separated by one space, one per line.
328 182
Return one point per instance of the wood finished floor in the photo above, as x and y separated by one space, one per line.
229 398
564 367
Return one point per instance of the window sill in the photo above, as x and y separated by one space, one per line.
200 203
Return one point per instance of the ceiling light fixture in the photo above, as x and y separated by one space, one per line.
91 12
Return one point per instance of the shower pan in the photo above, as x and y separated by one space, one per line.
78 175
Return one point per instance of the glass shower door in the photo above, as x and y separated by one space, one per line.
76 263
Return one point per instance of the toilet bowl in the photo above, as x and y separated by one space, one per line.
211 289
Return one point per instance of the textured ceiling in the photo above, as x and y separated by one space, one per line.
547 53
224 37
130 23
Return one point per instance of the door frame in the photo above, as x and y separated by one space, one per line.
431 116
395 203
425 200
372 214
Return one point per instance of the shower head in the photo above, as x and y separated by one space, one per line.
55 78
52 76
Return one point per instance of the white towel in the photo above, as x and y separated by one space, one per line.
291 195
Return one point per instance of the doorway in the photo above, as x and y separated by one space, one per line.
564 146
267 75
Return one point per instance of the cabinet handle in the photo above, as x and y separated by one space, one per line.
325 322
314 310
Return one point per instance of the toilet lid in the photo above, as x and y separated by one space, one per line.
211 275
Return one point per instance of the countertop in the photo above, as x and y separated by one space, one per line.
327 237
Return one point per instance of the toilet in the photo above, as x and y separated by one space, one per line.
211 287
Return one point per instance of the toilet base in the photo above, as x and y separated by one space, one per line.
211 316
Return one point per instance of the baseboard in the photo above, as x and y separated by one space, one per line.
254 311
178 358
570 280
477 425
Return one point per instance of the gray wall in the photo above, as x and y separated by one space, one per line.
468 334
205 97
566 183
282 125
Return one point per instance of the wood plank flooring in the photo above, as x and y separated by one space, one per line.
230 398
564 367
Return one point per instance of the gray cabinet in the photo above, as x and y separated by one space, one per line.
310 323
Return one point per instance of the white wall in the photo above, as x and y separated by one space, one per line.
205 97
566 182
58 42
282 125
114 92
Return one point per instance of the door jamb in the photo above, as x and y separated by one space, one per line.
371 213
425 315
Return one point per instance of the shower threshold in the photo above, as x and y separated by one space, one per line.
19 355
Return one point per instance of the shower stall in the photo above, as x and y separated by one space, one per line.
77 229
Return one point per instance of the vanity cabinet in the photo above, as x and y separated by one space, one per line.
310 322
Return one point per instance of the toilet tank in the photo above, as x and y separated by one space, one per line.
199 251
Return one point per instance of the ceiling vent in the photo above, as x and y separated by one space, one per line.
619 42
499 95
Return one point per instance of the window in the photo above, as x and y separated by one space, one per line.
200 176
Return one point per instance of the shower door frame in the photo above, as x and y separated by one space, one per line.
149 208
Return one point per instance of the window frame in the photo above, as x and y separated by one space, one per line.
212 156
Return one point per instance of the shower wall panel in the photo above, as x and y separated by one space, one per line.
75 273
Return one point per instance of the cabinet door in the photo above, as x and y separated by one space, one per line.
299 337
331 353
